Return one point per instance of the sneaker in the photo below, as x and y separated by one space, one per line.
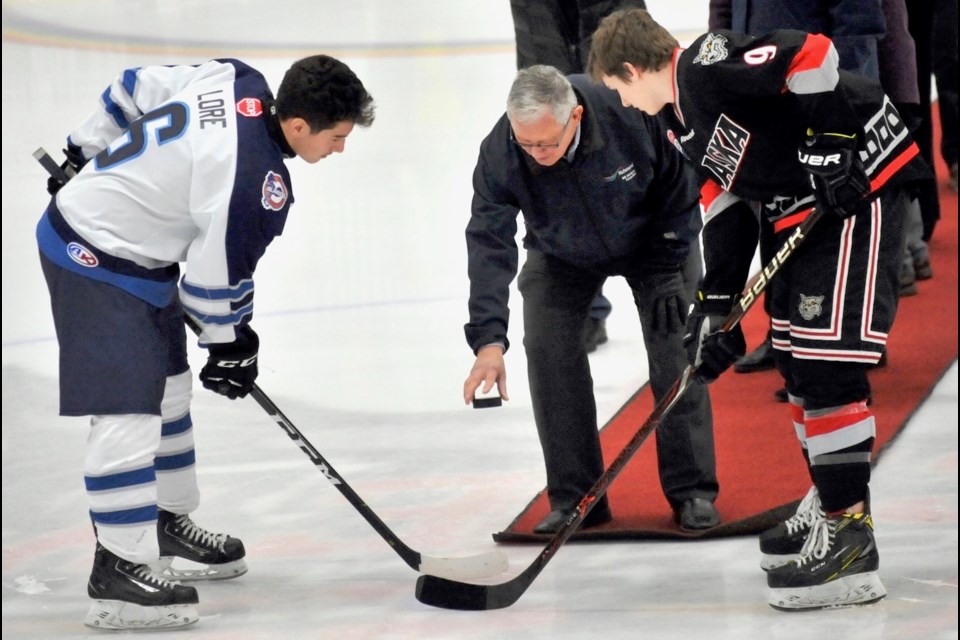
784 542
837 567
180 537
127 595
760 359
594 334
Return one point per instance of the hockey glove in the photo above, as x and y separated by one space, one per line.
669 311
231 368
71 167
709 350
836 172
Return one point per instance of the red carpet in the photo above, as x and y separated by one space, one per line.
761 471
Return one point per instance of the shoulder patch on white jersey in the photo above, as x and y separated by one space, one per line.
250 107
274 192
712 49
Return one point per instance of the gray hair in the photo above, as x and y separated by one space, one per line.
539 89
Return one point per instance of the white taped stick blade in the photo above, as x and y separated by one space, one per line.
483 565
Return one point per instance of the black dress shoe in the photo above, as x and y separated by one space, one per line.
696 514
556 519
760 359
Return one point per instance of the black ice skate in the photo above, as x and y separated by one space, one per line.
129 596
837 567
784 542
220 554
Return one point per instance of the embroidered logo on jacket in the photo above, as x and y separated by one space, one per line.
274 192
81 255
810 306
250 107
626 174
712 49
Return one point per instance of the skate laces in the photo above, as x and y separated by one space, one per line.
807 512
198 534
146 574
818 542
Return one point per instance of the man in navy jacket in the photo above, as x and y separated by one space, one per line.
603 193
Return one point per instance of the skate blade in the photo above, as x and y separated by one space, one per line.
199 572
850 591
114 615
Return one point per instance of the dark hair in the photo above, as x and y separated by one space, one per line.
323 91
629 35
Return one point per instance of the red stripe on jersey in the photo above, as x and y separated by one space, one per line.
811 55
881 178
791 220
709 192
843 417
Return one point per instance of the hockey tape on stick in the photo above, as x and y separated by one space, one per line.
54 169
459 568
452 594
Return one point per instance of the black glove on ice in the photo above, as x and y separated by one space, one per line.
71 166
231 368
669 311
836 173
709 350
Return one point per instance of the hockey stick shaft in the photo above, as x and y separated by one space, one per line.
450 594
477 566
474 566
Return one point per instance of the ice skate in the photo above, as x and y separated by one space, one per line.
837 567
129 596
215 556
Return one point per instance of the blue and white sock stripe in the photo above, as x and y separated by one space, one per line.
123 498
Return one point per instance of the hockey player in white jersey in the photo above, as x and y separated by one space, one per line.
179 165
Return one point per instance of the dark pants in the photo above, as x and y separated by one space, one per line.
116 351
556 301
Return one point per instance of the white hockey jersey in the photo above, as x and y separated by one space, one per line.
187 167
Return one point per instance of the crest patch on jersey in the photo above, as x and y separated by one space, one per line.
250 107
274 192
81 255
810 306
712 49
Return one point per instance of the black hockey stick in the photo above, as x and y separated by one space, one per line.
469 567
451 594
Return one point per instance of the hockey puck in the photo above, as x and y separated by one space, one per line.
486 403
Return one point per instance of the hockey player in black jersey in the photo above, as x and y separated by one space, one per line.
774 129
180 164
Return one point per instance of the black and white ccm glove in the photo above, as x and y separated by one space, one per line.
231 368
836 172
709 350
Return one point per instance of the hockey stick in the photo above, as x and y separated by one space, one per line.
451 594
461 568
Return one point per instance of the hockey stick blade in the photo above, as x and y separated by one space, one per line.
452 594
473 567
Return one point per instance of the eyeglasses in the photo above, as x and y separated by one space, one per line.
528 146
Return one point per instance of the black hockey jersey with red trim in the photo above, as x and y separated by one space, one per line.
743 106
